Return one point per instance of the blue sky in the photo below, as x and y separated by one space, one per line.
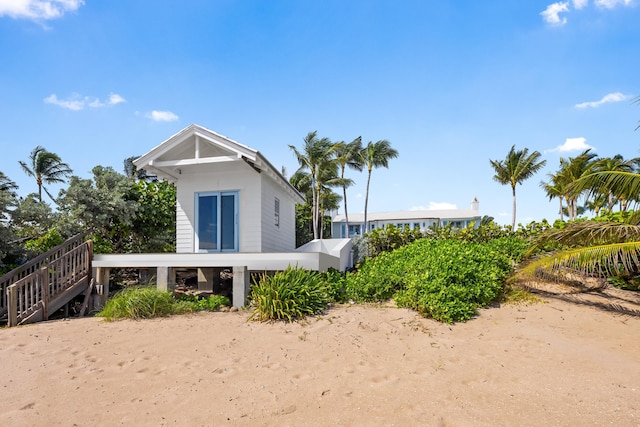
451 84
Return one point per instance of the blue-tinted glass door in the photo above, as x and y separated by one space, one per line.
217 225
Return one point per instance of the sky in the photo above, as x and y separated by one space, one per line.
450 84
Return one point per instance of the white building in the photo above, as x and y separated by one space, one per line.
422 220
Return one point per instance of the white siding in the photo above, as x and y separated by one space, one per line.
234 176
280 238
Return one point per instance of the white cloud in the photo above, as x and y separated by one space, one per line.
610 4
434 206
551 14
76 102
162 116
114 99
608 98
572 144
38 10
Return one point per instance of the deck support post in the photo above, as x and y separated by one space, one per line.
101 275
240 286
206 278
166 279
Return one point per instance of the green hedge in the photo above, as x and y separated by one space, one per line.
443 279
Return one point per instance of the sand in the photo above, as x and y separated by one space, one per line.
562 363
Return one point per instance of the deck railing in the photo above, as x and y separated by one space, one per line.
35 265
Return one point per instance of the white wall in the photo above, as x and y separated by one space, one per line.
280 238
233 176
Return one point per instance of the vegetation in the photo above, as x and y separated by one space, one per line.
46 168
517 167
375 155
288 295
322 168
145 302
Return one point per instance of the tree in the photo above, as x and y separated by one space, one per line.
348 155
374 155
132 171
571 170
517 167
46 168
104 206
315 157
6 185
613 164
327 200
602 248
555 188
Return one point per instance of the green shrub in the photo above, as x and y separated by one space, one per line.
443 279
335 282
144 302
139 302
453 280
288 295
390 238
194 303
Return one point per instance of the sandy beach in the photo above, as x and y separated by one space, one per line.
561 363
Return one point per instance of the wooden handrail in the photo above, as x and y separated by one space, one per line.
34 292
34 265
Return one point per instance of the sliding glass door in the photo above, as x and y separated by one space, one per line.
217 221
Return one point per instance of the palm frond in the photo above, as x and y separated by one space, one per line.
598 261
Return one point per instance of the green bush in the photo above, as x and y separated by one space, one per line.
443 279
139 302
194 303
288 295
335 283
144 302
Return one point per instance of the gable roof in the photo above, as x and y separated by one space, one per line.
197 145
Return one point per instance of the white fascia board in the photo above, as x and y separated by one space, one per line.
163 147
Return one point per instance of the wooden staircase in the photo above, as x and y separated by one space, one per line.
33 291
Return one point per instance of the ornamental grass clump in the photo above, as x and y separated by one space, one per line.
145 302
139 302
288 295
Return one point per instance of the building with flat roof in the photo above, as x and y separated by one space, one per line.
422 219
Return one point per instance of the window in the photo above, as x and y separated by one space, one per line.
277 212
217 221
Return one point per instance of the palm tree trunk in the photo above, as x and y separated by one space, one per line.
314 208
513 212
561 212
344 197
366 202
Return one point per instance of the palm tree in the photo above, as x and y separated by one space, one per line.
327 199
596 248
613 164
348 155
555 188
6 184
316 155
46 168
572 169
374 155
517 167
